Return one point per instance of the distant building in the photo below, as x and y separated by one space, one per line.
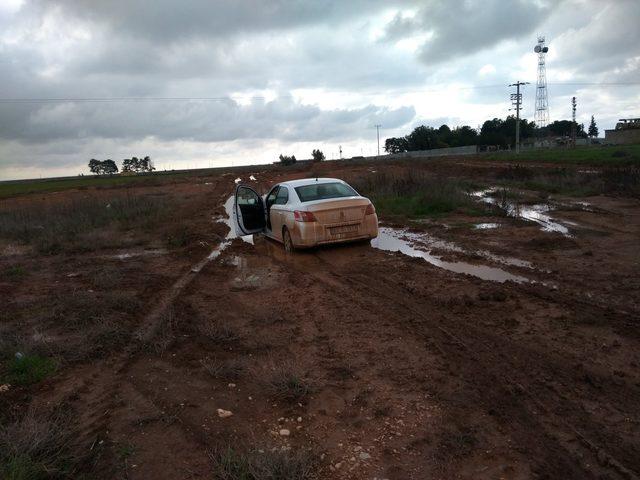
627 131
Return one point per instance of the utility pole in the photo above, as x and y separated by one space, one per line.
573 123
378 135
516 99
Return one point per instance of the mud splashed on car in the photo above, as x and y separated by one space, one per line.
394 240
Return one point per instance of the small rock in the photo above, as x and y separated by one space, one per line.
299 419
224 413
364 456
285 432
232 385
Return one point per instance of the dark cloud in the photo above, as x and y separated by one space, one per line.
352 64
463 28
199 121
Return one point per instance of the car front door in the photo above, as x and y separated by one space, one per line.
249 213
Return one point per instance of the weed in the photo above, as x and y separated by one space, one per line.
37 446
125 450
230 464
287 382
178 237
29 369
165 337
106 278
14 272
219 333
224 370
457 442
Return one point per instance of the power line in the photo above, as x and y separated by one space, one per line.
231 98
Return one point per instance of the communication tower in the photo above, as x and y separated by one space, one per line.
542 100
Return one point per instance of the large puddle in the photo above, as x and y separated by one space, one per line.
392 240
538 213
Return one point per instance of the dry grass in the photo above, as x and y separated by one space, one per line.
231 369
230 464
38 446
219 333
60 227
286 382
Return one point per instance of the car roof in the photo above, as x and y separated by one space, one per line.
310 181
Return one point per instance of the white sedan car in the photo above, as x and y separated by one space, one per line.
305 213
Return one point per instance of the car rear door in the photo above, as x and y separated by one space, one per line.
249 212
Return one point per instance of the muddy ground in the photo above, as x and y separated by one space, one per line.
352 361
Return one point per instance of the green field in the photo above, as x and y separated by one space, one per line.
614 156
47 185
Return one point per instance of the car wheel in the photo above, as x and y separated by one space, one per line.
286 240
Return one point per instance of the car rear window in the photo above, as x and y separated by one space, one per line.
322 191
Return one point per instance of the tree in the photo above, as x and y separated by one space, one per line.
102 167
396 145
593 128
286 160
317 155
95 166
109 167
135 164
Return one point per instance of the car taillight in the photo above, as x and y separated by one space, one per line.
301 216
369 210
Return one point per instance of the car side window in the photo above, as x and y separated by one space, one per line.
283 196
271 198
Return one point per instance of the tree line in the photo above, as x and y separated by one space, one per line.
495 132
129 165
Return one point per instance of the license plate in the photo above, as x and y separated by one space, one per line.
343 230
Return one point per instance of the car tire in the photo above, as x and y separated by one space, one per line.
287 241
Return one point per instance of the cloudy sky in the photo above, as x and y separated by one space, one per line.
201 83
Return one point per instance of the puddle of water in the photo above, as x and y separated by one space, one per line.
486 226
393 240
537 213
141 253
215 253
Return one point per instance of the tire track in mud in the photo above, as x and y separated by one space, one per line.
103 400
550 427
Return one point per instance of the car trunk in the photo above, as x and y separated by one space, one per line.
340 218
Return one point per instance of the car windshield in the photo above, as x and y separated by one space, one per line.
322 191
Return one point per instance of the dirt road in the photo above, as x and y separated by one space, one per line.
379 364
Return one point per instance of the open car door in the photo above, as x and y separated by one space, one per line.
249 211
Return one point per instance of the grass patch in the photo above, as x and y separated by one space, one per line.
29 369
14 272
37 447
231 369
230 464
288 383
611 156
570 181
415 194
57 227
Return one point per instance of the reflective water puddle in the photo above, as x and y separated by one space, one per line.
215 253
486 226
393 240
538 213
139 253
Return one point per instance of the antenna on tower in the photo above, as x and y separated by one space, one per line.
542 99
